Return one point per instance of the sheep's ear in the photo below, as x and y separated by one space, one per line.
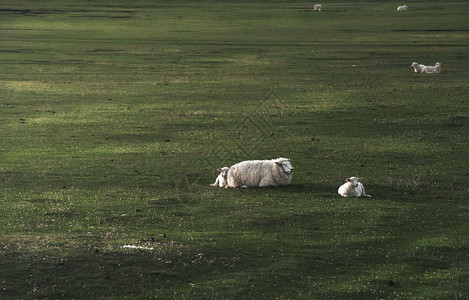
278 163
219 170
348 180
360 179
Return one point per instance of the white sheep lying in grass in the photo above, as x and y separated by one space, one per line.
402 7
353 188
317 7
221 179
260 173
417 67
432 69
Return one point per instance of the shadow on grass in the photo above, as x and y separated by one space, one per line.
83 272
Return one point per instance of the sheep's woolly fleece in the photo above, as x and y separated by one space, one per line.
260 173
432 69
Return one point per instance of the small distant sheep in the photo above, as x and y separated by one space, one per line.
221 179
353 188
402 7
260 173
417 67
432 69
317 7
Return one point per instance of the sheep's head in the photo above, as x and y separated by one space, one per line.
223 171
354 181
285 165
414 64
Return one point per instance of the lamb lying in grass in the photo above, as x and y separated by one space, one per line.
417 67
432 69
260 173
353 188
221 179
402 7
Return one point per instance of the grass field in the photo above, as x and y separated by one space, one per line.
114 116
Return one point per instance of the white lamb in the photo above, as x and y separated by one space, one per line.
432 69
260 173
317 7
353 188
221 179
402 7
417 67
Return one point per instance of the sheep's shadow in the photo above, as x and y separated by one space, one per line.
378 192
312 190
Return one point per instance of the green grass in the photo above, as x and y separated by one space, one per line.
115 115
